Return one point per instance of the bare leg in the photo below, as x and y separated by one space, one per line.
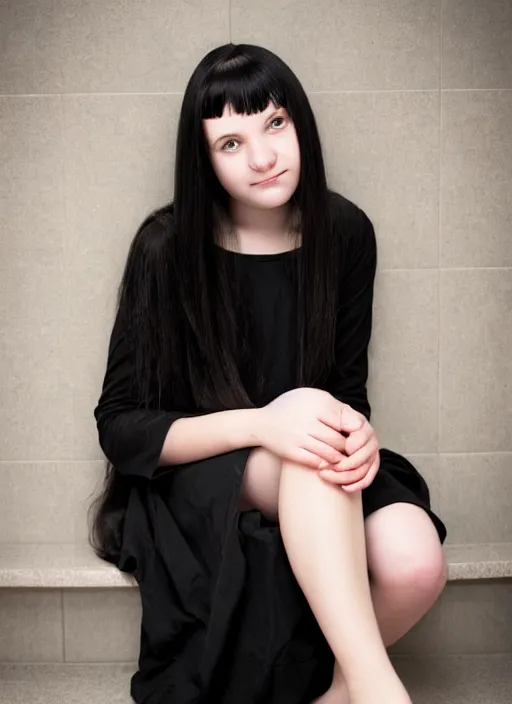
407 567
338 691
323 533
408 573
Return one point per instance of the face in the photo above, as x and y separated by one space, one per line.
248 149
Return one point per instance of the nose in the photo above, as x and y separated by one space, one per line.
262 158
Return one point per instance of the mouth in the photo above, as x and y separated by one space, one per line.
268 181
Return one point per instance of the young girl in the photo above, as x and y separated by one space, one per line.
277 548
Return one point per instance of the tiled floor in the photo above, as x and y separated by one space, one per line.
453 680
65 684
458 679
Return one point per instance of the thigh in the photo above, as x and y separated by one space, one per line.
401 540
260 485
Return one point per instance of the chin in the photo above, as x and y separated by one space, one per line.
271 200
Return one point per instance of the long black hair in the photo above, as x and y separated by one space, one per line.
184 327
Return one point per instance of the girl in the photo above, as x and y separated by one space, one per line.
277 548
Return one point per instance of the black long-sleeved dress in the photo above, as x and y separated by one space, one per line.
223 618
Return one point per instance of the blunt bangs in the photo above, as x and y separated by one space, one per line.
245 83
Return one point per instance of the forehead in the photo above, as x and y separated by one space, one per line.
231 121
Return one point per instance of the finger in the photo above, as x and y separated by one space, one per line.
329 436
359 457
366 481
351 420
358 439
345 478
323 450
306 458
341 417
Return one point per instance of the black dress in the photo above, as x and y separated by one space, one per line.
223 618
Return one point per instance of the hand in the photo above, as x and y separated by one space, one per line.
305 426
358 470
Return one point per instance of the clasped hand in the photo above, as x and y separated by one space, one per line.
309 426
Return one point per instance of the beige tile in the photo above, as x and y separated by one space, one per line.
32 181
477 44
476 618
403 361
127 47
73 684
59 565
476 182
476 497
475 361
35 413
102 625
387 161
30 625
479 560
46 502
467 618
457 679
119 167
343 45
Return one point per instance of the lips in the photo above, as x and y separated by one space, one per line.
259 183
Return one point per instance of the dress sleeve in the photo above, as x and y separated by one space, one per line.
132 434
130 437
347 380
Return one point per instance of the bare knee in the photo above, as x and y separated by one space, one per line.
260 486
422 573
404 553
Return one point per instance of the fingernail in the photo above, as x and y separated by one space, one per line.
323 465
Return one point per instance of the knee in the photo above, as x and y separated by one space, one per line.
423 573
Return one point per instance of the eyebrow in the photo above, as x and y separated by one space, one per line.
230 136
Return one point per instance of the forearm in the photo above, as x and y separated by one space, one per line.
199 437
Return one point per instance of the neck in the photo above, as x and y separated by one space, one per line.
258 231
250 219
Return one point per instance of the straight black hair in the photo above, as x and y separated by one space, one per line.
183 327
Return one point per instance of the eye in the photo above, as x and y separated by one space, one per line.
277 118
230 141
225 147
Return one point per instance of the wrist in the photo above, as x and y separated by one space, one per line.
255 426
247 428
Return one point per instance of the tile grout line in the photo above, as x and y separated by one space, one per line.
417 270
446 268
93 94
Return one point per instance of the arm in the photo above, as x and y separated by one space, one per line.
138 440
192 439
347 381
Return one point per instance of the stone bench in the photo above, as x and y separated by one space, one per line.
68 565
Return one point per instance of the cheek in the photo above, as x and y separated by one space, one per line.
296 153
292 151
227 172
295 161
